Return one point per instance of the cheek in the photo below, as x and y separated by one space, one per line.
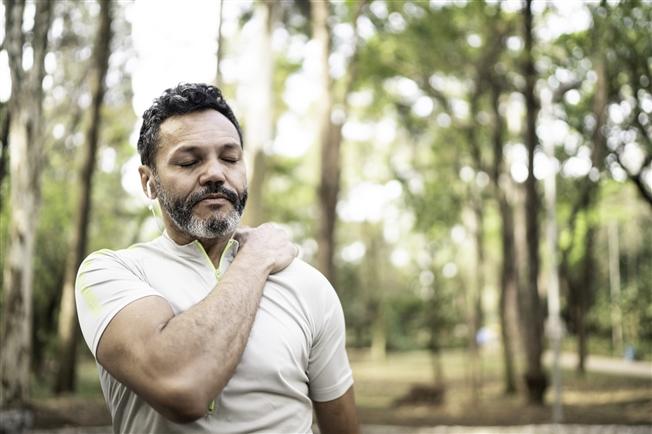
238 179
176 188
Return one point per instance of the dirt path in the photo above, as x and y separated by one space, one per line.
605 365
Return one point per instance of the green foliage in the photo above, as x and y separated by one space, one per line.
445 56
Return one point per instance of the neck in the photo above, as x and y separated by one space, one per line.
213 246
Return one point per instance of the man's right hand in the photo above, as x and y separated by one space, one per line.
269 243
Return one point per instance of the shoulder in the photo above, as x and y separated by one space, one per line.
129 254
310 287
107 259
304 276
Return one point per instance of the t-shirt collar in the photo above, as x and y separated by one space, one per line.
195 250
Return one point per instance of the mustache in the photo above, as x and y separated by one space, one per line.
228 194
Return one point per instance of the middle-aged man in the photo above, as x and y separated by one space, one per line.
210 329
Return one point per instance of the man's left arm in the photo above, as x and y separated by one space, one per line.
338 416
329 371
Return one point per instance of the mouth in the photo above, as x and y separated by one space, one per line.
214 199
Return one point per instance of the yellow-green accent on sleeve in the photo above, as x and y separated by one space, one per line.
211 406
87 294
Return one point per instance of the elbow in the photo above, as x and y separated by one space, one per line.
183 415
181 394
183 404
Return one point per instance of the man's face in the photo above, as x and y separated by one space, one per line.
200 174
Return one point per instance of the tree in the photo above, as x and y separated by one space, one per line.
531 313
330 171
330 130
507 307
67 329
26 159
259 114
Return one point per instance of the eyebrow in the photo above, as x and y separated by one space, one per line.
193 148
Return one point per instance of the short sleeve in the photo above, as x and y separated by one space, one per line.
329 371
105 284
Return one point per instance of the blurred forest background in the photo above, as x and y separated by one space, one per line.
450 166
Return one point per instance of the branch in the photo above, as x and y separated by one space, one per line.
637 178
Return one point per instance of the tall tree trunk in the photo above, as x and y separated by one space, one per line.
330 133
475 220
615 291
25 147
508 309
535 377
67 329
376 281
584 287
220 40
259 120
4 146
508 271
330 149
553 319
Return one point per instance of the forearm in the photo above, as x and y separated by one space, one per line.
338 416
201 347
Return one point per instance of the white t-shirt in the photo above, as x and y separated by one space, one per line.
295 353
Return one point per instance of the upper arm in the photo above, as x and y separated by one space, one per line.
123 349
338 416
120 315
106 283
329 372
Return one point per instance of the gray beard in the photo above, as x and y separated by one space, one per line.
181 213
212 227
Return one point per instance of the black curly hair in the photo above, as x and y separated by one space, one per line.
185 98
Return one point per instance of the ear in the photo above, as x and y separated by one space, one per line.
147 181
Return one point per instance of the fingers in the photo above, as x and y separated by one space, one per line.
271 242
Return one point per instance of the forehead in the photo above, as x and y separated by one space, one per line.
204 127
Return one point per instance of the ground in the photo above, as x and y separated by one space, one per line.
621 396
613 393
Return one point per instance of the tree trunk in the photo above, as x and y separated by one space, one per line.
378 331
614 291
67 329
474 301
4 147
376 281
259 120
330 149
508 271
584 287
220 40
535 377
330 133
25 147
508 293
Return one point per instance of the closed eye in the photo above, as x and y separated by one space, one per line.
187 163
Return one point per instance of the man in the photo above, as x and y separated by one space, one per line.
208 329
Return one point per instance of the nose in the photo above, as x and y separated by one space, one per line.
214 171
